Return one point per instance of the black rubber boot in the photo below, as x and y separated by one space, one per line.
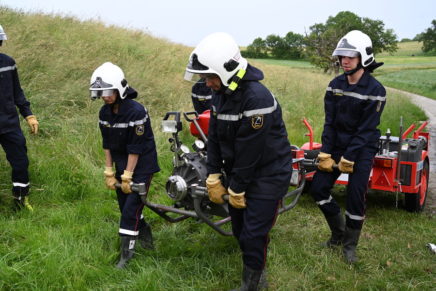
145 237
337 227
351 238
250 279
263 281
127 250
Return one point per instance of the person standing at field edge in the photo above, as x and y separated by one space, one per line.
248 143
128 142
11 136
353 104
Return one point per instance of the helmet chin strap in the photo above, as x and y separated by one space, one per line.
349 73
235 82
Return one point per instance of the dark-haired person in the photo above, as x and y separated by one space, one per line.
128 142
11 136
248 143
353 104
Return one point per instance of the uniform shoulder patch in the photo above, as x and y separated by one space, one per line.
139 129
257 121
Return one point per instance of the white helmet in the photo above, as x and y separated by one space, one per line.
108 77
217 54
353 44
3 35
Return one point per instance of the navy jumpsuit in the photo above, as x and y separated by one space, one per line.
352 114
11 136
201 96
248 141
129 132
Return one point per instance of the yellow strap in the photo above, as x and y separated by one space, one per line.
233 85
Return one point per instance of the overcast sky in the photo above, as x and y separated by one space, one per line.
188 21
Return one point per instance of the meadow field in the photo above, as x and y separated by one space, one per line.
70 240
408 69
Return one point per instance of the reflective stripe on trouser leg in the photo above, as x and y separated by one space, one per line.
14 145
131 207
320 190
356 193
131 210
253 225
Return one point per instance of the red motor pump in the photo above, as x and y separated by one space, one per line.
203 122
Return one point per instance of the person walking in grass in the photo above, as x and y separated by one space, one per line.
11 136
353 104
128 142
248 144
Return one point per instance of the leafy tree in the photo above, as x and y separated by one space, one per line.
257 49
323 38
429 38
405 39
276 46
295 44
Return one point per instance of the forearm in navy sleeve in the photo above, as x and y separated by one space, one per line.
214 159
329 134
19 98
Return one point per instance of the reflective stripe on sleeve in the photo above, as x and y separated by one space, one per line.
202 97
356 95
125 124
354 217
9 68
248 113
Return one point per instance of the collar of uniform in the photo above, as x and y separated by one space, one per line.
363 81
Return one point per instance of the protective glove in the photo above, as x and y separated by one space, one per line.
27 204
325 162
126 179
215 188
33 123
110 178
237 200
345 166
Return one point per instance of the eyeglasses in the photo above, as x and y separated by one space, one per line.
208 77
101 93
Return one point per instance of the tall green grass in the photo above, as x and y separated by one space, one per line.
70 241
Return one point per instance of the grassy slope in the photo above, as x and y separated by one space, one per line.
70 241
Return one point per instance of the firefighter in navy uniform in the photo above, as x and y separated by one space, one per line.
128 142
248 143
201 96
353 104
11 136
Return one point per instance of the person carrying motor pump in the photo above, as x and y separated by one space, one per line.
128 142
11 136
353 104
248 143
201 96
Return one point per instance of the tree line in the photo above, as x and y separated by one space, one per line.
319 42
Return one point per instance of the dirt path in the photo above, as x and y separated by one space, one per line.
429 107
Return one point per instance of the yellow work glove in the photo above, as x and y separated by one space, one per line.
110 178
237 200
27 204
345 166
215 188
33 123
126 179
325 162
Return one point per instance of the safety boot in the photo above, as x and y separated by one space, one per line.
337 227
263 281
22 203
145 237
351 238
250 279
127 250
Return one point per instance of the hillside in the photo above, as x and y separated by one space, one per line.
70 241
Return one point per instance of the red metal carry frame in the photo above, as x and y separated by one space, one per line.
410 178
196 201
